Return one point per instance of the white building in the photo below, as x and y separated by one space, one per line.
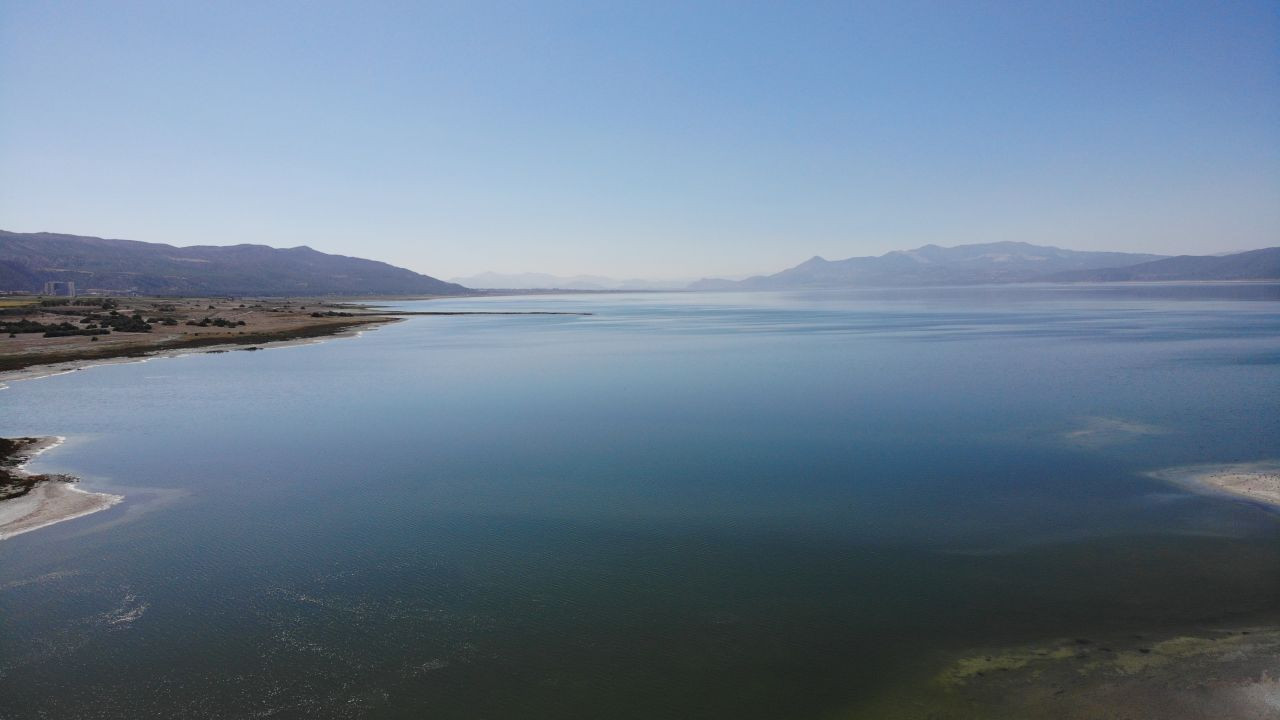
51 287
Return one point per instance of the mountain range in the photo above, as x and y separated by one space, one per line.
1261 264
1003 262
28 260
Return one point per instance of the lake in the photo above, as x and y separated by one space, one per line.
771 505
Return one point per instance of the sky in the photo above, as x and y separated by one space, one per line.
643 139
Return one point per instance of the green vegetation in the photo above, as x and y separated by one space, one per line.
95 324
25 326
13 482
216 322
68 330
104 303
121 323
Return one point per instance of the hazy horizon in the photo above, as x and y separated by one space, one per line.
484 279
654 141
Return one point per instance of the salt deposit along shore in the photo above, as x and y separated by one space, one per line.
32 501
1257 481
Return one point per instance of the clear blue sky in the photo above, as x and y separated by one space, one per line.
643 139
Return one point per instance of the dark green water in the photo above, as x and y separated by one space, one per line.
692 506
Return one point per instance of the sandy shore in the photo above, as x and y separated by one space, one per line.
1257 481
50 501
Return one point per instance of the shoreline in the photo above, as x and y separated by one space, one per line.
30 501
1258 482
14 368
50 499
39 370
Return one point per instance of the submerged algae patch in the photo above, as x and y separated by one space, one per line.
1090 657
1187 648
977 666
1213 674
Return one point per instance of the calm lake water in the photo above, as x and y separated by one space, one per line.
681 506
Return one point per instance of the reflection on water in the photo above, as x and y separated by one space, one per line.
713 505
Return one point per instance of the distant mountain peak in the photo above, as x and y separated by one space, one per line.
933 264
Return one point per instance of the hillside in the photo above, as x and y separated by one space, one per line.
1252 265
28 260
934 265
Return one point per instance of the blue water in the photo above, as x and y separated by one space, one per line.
697 506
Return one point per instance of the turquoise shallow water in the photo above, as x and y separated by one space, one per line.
712 506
